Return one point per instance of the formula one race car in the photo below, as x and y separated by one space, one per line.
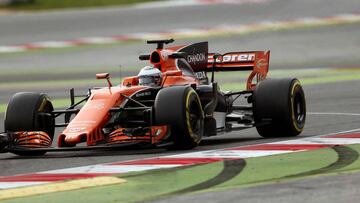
172 104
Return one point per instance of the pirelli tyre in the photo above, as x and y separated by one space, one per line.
29 111
180 108
279 107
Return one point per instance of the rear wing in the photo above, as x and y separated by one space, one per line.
239 61
255 61
196 60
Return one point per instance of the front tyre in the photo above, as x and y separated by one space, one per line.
29 111
180 107
279 107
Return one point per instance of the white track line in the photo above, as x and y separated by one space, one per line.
111 169
230 154
341 132
333 113
319 140
8 185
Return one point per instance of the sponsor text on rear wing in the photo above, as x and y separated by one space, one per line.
255 61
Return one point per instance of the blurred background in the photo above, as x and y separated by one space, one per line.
51 46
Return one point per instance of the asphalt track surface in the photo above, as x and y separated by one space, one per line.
330 46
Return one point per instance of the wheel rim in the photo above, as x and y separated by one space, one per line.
195 118
299 108
45 122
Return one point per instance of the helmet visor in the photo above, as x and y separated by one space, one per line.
147 80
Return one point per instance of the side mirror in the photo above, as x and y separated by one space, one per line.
104 76
144 57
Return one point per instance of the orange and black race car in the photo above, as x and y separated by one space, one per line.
172 103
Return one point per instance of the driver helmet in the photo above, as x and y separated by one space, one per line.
150 76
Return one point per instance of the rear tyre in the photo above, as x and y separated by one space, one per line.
180 107
29 111
279 107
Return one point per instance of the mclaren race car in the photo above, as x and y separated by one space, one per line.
172 103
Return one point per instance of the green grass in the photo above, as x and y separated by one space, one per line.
61 4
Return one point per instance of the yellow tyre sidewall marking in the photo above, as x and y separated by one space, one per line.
43 104
295 85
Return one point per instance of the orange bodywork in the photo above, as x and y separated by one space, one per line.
157 134
37 139
260 70
89 122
